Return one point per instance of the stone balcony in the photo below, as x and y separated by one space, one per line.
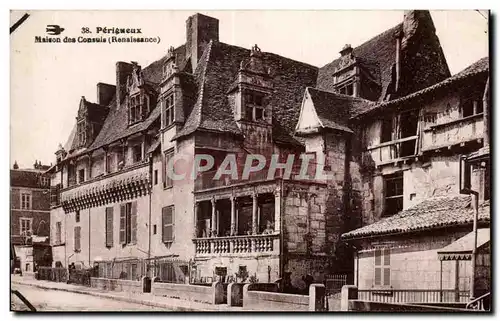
130 182
237 245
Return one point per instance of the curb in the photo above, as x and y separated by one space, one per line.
116 298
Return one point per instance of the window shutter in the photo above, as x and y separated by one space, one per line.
378 276
109 226
122 223
167 223
77 238
387 257
378 254
133 224
387 276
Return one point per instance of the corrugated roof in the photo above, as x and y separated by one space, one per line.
431 213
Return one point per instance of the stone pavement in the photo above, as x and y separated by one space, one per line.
169 304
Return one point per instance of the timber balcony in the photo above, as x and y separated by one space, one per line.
237 245
393 151
129 183
456 132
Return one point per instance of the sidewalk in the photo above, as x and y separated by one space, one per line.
137 298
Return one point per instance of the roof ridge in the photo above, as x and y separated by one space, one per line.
347 97
271 54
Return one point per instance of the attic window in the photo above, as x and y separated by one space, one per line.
82 137
167 106
135 112
254 106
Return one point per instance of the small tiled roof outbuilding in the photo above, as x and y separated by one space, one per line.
431 213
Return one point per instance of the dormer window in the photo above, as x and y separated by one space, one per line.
135 109
167 106
254 106
81 132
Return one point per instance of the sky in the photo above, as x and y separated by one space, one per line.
48 80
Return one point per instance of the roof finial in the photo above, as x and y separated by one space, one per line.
255 50
15 165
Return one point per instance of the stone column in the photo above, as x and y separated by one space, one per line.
233 215
213 226
277 209
196 219
254 213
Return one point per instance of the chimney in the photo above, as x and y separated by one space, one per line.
123 70
200 30
105 93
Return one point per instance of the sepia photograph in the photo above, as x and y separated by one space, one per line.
250 161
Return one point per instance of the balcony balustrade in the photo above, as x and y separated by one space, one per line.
235 245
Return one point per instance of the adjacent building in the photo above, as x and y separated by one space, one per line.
30 214
115 202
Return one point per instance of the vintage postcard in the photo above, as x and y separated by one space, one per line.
238 161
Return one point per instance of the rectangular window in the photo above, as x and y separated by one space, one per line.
77 235
254 106
154 229
26 200
44 181
109 160
81 175
156 177
393 190
26 226
137 153
58 232
168 110
135 110
128 223
386 135
168 224
167 170
109 226
382 267
77 216
81 133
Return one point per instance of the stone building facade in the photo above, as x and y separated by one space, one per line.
114 195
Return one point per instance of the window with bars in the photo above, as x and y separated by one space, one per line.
393 190
26 200
382 267
77 243
167 175
167 106
109 226
128 223
168 224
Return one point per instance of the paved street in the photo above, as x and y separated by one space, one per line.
53 300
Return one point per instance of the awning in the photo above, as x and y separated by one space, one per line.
461 249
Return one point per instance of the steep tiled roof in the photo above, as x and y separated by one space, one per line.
25 178
334 109
216 72
431 213
479 67
377 55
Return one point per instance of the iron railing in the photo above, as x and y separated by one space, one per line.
413 296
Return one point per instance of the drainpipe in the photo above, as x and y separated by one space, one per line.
475 203
398 59
486 116
149 219
89 238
